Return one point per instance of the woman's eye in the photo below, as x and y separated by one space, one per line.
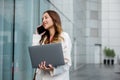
46 17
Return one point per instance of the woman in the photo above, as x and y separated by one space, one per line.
53 34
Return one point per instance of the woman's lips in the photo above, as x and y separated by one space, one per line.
44 24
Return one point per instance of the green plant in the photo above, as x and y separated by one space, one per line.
112 53
109 52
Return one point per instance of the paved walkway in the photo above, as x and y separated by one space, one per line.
96 72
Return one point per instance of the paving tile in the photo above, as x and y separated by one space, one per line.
96 72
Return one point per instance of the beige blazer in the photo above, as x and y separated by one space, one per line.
61 72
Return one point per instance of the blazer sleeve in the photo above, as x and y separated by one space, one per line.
35 40
66 45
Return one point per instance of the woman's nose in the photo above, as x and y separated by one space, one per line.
43 20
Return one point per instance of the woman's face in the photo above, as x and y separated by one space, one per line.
47 21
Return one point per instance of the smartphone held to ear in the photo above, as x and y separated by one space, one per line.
41 29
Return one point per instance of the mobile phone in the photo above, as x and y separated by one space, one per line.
41 29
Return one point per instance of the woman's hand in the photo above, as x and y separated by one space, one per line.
44 67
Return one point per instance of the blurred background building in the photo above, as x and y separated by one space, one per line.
91 24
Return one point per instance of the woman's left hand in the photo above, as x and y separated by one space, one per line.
44 67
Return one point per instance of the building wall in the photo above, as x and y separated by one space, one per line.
92 30
79 32
111 25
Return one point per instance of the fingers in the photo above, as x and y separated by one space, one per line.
39 25
43 33
50 66
43 66
44 63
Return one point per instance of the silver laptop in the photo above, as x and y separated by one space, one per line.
51 53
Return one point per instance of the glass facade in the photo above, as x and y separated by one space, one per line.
16 29
23 39
6 44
